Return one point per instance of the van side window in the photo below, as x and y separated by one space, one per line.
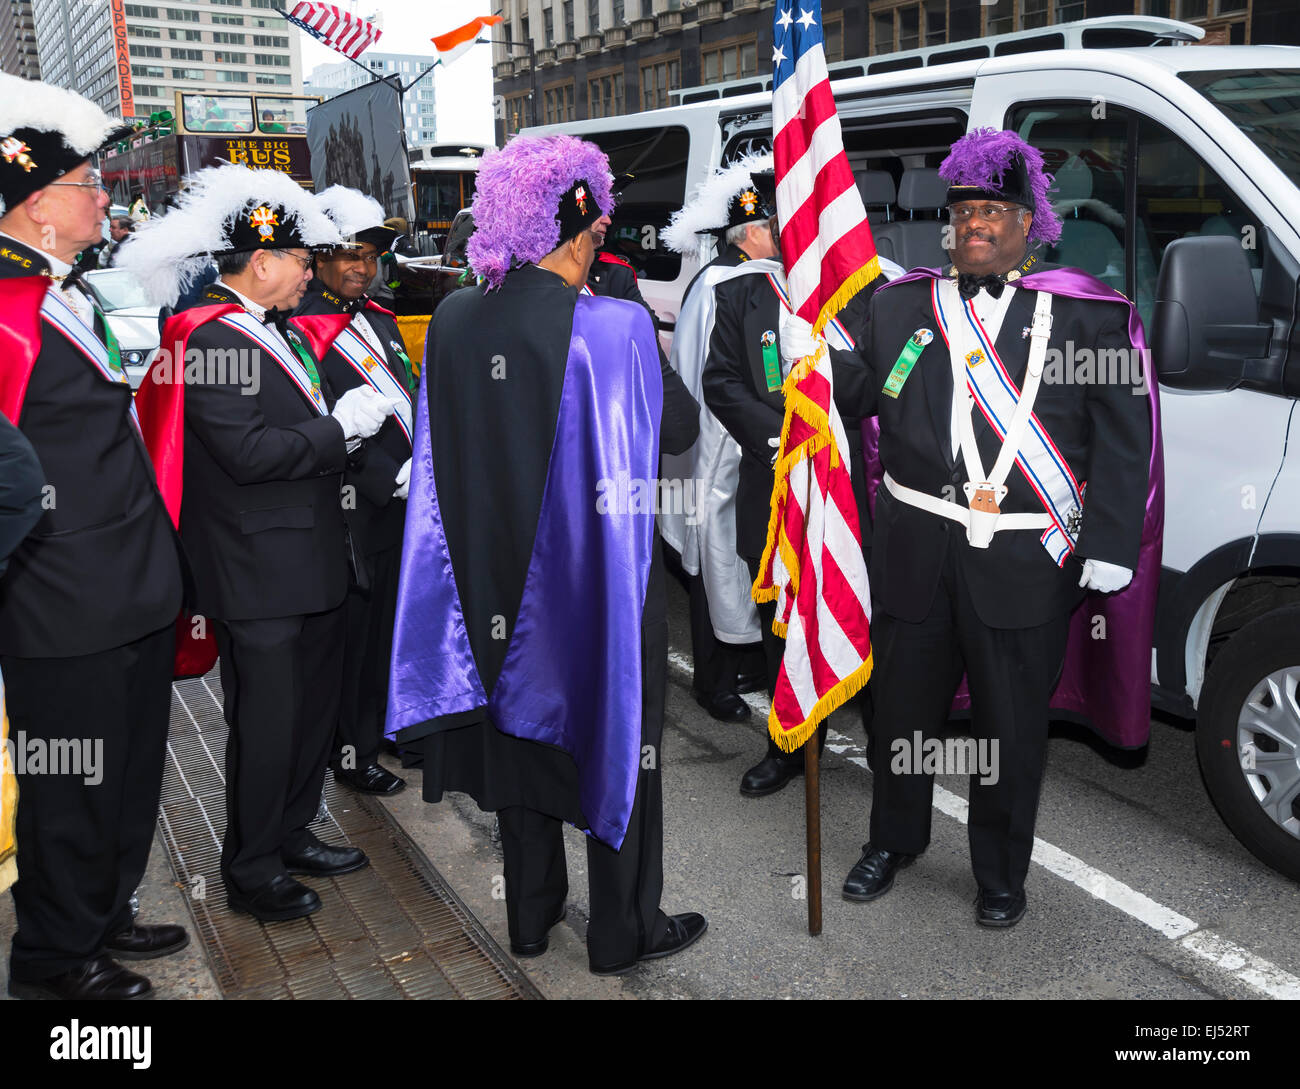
1178 196
1101 164
656 159
1089 156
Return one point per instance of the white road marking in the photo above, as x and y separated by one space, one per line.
1256 973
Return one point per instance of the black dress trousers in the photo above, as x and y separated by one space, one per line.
370 617
281 679
626 884
1011 673
84 833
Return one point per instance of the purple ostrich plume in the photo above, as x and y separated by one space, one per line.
518 193
982 156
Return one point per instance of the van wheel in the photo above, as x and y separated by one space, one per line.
1248 738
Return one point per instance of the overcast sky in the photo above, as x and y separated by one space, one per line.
464 89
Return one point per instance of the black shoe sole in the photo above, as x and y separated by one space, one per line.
35 992
866 898
623 969
401 786
152 954
528 950
272 916
1000 924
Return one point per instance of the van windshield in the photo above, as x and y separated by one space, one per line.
1265 105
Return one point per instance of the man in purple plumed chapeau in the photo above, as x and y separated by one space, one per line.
1017 520
530 647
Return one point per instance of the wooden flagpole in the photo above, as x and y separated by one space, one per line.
813 826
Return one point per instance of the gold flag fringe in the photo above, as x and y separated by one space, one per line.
850 686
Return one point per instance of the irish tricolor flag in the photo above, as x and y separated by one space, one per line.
451 45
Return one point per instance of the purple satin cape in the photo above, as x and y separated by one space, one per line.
572 672
1106 682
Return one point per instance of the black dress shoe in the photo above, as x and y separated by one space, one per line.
322 860
147 942
683 930
279 899
372 779
873 874
98 980
999 908
537 948
770 774
725 707
751 682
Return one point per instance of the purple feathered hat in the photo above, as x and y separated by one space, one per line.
521 194
988 164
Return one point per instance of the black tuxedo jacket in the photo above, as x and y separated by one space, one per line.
1102 431
261 515
376 520
735 389
102 567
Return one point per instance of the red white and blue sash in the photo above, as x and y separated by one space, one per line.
282 354
361 357
836 335
67 321
996 395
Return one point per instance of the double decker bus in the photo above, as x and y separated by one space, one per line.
259 130
442 176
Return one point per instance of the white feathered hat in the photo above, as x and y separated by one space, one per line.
359 218
46 131
226 209
715 205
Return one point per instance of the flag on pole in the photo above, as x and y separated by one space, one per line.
812 565
344 33
454 43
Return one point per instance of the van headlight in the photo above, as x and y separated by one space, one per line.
134 357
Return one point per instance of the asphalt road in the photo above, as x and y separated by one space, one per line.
1138 890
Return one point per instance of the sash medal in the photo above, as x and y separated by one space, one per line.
361 359
298 364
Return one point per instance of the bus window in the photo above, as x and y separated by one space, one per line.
217 113
276 115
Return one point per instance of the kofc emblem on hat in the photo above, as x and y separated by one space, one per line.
15 151
580 199
265 221
749 202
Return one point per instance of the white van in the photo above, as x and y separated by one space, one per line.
1177 169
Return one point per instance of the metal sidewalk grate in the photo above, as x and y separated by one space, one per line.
392 930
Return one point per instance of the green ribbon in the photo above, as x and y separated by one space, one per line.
110 342
903 366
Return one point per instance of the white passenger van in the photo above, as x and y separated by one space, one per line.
1177 169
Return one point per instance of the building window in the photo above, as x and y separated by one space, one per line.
618 12
145 32
605 94
518 113
147 51
143 11
230 75
185 35
225 37
833 32
658 77
912 25
226 57
271 60
882 32
1000 17
267 41
178 15
731 60
548 28
276 80
185 54
557 104
568 20
188 73
593 16
152 71
225 20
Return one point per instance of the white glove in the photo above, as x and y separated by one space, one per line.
403 480
361 412
797 338
775 443
1104 577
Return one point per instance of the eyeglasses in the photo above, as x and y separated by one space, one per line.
355 257
305 261
94 180
990 213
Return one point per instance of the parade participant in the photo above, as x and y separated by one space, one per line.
261 515
706 541
119 230
529 660
986 584
358 343
86 655
742 383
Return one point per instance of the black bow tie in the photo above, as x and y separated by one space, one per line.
968 284
73 279
280 319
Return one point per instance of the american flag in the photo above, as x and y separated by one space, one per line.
813 565
344 33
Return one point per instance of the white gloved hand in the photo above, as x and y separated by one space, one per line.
775 443
797 338
1104 577
403 480
361 412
